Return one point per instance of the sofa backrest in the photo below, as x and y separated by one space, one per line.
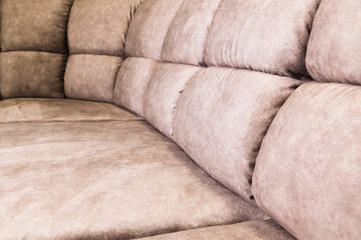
34 47
307 175
181 76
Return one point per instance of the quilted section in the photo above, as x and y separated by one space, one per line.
105 180
91 77
334 50
222 117
166 86
149 27
267 36
132 83
187 35
307 175
34 25
32 74
100 27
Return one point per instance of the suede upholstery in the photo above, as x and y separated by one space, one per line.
60 110
91 77
225 129
118 179
268 36
20 74
307 174
221 118
255 230
333 55
132 83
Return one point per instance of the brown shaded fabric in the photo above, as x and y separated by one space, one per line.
307 175
32 74
34 25
187 35
60 110
221 118
268 36
334 49
149 27
99 27
119 179
251 230
132 83
91 77
166 86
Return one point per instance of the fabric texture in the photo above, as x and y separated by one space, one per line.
60 110
100 27
132 83
32 74
186 38
34 25
221 118
267 36
307 175
149 27
334 50
165 87
91 77
107 180
252 230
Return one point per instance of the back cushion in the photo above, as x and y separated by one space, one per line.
97 31
268 36
334 50
34 43
307 175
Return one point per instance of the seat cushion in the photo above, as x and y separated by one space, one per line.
255 230
102 180
60 110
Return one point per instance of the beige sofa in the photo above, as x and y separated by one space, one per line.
180 119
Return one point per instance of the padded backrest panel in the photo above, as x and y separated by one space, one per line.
149 28
97 31
307 175
34 46
267 36
334 50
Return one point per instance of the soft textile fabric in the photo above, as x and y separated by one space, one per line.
307 175
187 35
60 110
149 27
118 179
34 25
91 77
99 27
251 230
165 87
32 74
334 49
268 36
221 118
132 83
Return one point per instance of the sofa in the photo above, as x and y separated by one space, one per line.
180 119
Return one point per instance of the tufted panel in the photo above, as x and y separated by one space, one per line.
97 32
91 77
30 74
267 36
149 28
166 86
100 27
334 50
132 83
187 35
221 118
307 175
